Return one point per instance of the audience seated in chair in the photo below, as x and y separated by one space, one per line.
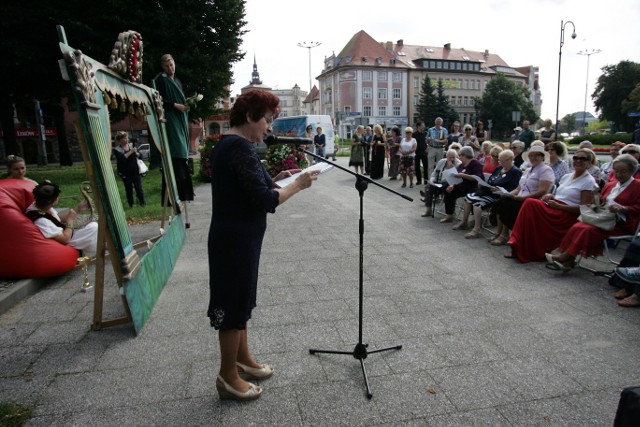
627 277
506 176
536 181
468 169
621 197
541 224
436 183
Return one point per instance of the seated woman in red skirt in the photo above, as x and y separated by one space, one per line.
541 224
622 196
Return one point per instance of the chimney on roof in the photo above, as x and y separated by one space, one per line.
400 43
486 53
447 46
389 46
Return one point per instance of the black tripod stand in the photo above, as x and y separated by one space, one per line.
360 351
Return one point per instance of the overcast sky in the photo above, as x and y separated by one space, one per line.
521 32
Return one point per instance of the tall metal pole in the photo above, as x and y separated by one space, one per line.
573 36
586 86
309 46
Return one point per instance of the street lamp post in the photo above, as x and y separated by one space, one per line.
573 36
587 52
309 46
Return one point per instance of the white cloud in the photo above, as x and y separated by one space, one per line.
522 33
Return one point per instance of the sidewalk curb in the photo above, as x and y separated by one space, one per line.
20 290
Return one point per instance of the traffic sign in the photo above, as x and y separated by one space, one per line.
634 114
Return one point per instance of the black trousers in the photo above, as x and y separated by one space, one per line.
418 172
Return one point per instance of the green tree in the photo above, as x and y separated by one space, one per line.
444 108
614 85
632 103
501 97
567 124
204 37
428 105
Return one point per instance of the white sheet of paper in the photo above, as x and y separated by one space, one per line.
321 166
448 175
481 181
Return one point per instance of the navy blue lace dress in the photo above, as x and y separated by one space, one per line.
242 195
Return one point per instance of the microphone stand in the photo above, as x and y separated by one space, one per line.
360 351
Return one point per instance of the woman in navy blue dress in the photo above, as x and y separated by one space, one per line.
243 193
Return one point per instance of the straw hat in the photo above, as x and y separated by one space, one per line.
536 149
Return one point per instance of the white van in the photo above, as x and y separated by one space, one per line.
296 125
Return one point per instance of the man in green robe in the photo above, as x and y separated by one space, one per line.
177 125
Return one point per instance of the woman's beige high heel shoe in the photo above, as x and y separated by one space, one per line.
255 373
227 392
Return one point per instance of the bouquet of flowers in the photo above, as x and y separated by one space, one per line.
284 157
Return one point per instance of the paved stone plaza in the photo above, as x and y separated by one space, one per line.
486 340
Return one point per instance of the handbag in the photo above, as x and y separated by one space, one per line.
597 216
142 167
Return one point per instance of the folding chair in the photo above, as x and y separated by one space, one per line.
609 243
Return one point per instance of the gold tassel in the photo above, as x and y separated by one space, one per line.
123 107
114 103
106 98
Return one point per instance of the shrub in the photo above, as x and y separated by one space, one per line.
204 174
284 157
605 139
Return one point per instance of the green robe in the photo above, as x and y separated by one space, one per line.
177 122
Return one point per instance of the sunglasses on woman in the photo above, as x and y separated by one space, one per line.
580 159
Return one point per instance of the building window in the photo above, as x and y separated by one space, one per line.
366 75
432 64
416 117
347 109
445 65
484 85
471 102
465 84
416 100
465 118
396 93
396 111
476 85
366 110
328 96
416 82
458 66
397 77
382 93
367 92
439 65
382 76
466 101
382 111
459 100
283 113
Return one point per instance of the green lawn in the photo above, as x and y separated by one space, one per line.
69 179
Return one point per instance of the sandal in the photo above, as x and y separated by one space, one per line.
552 266
460 226
622 293
498 241
473 234
510 255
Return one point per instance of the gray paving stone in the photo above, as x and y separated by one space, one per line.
498 342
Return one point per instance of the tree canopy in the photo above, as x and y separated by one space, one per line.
203 36
444 108
615 85
501 97
428 102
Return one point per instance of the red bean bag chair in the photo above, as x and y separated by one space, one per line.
24 251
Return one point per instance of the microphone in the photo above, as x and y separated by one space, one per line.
274 140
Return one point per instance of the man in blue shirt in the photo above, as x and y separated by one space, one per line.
436 140
319 142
